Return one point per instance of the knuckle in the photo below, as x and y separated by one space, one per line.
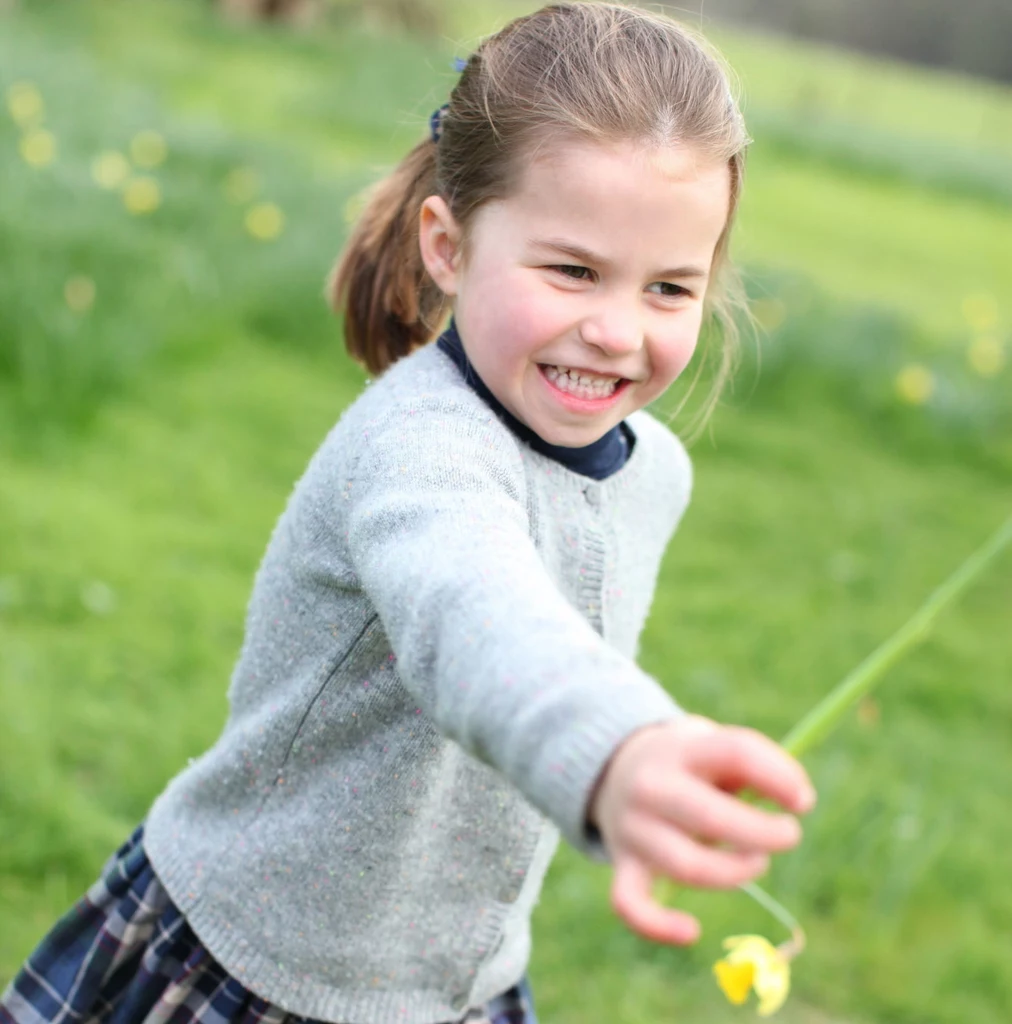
750 743
710 822
789 832
749 735
736 757
714 869
646 789
689 868
629 830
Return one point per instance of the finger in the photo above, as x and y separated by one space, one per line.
667 851
700 809
737 758
632 901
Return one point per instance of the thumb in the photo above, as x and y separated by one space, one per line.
632 900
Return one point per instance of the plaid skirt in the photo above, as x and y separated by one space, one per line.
124 954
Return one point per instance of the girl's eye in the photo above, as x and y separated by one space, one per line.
576 273
668 290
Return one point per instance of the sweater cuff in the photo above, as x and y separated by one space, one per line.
586 757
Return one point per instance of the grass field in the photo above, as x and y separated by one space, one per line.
151 439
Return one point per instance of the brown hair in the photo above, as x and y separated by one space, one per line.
597 71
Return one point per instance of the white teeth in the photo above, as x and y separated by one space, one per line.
582 385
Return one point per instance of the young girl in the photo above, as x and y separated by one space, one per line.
437 678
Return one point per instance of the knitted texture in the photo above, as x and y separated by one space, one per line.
437 665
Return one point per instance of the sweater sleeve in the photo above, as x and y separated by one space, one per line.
493 652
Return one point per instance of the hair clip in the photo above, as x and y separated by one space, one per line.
436 121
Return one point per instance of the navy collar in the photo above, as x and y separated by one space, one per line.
599 460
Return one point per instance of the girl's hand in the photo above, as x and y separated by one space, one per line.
663 803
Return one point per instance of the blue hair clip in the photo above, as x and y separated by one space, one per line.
436 121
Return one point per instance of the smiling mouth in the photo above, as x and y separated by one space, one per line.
581 384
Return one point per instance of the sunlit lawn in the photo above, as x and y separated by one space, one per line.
820 519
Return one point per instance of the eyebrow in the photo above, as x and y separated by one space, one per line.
578 252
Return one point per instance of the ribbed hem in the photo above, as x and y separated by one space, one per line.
298 993
568 788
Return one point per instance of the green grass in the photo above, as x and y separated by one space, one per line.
878 242
801 550
864 236
868 93
150 445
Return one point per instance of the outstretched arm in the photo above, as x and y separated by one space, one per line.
495 655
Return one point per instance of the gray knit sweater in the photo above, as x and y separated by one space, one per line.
438 663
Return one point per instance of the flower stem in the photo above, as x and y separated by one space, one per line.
777 909
827 713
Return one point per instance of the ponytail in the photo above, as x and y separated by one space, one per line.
380 285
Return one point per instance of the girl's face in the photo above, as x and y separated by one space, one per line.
581 296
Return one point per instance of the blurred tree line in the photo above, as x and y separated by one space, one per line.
972 35
414 15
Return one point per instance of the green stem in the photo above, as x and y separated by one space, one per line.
778 910
827 713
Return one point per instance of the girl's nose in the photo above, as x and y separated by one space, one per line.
615 331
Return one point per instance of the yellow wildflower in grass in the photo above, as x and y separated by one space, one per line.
265 221
753 963
142 195
241 185
24 101
980 311
79 293
869 713
986 356
915 384
148 149
38 148
110 169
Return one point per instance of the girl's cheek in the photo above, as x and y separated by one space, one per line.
529 318
676 354
670 361
685 353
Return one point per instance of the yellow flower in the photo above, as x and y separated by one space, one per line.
148 149
265 221
980 311
24 102
241 185
915 384
754 963
142 195
79 293
986 356
110 169
38 148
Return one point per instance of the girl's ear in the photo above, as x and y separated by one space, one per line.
439 238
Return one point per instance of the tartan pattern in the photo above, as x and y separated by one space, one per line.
124 954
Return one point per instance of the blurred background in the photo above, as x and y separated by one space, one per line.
175 181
